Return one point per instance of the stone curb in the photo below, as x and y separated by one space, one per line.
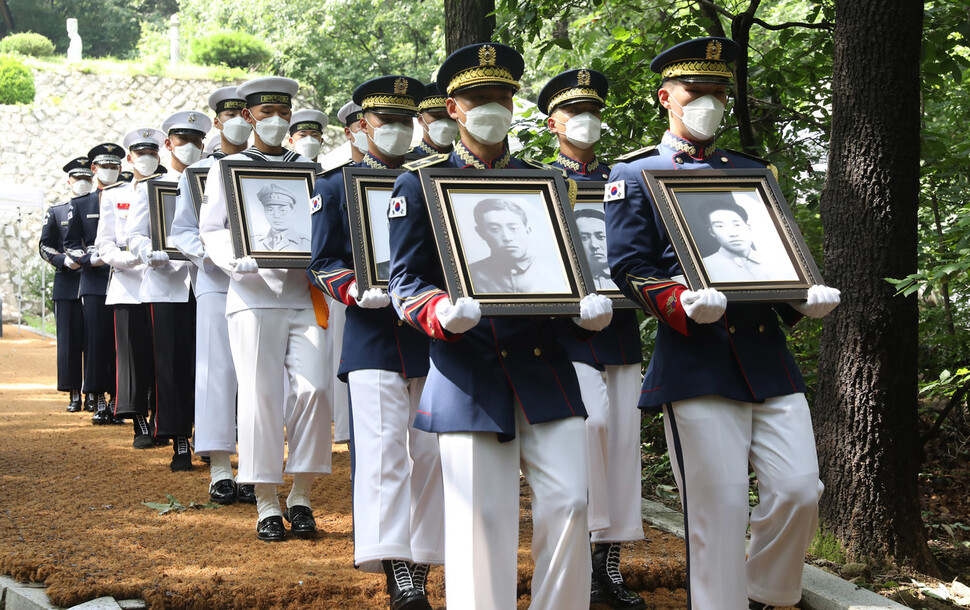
16 595
820 589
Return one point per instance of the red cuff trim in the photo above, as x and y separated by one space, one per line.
427 318
672 309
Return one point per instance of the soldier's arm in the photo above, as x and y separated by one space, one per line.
50 242
74 245
331 268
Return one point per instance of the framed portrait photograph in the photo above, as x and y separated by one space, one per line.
269 211
196 177
733 230
591 227
161 213
368 198
507 239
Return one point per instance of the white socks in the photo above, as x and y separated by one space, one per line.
219 466
267 502
300 493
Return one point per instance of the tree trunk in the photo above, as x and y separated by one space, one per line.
866 410
468 22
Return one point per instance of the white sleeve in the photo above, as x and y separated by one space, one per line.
185 226
106 241
138 235
214 221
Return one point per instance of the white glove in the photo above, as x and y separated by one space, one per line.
595 312
460 317
157 258
244 265
705 306
373 298
96 260
70 263
129 260
821 300
207 265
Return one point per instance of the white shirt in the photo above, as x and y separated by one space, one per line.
168 283
126 274
206 276
268 288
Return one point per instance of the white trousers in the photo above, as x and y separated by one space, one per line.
711 441
215 377
264 342
398 497
481 477
613 434
339 397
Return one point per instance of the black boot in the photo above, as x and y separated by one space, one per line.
112 405
90 400
143 439
101 416
419 577
598 599
606 571
182 456
75 405
400 587
753 605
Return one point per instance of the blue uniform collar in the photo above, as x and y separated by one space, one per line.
564 160
428 149
466 158
373 162
694 150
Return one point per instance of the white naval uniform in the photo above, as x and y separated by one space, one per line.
126 278
272 326
339 395
215 377
168 283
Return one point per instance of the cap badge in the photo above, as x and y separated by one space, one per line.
486 56
583 78
714 50
146 133
401 86
110 147
192 118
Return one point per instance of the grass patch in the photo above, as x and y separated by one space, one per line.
147 67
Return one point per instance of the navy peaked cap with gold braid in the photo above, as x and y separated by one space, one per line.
481 65
702 60
390 95
580 85
434 99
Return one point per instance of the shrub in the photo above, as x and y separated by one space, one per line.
16 82
27 43
233 49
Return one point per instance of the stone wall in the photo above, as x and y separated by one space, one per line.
71 113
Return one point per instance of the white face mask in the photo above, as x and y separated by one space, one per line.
81 187
272 131
145 164
488 123
308 146
583 130
236 130
360 141
187 153
393 139
107 176
702 116
443 132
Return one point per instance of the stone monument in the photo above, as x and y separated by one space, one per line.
74 50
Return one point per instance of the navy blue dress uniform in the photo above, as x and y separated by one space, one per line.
396 473
82 230
730 390
502 396
67 293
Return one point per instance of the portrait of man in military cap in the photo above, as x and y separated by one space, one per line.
278 214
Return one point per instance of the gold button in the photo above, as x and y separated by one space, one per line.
731 330
504 353
400 322
537 351
761 328
679 160
724 159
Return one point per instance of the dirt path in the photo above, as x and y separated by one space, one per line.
71 516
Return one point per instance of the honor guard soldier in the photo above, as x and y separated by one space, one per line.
397 474
350 115
82 230
215 378
608 364
730 390
439 129
272 329
306 132
67 285
132 317
501 393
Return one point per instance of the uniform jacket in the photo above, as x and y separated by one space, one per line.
206 277
475 377
67 281
372 338
618 343
126 276
82 230
168 283
742 356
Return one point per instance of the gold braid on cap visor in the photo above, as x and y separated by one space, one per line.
697 67
575 93
398 102
432 103
482 75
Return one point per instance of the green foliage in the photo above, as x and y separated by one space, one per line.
232 49
106 27
16 82
27 43
826 545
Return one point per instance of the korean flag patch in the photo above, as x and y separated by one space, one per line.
615 190
316 204
397 207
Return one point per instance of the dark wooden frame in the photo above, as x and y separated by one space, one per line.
664 186
196 177
158 191
357 181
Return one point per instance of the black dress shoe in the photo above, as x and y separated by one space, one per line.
606 571
271 529
223 491
90 400
182 457
246 494
75 405
302 523
598 599
143 441
101 416
400 587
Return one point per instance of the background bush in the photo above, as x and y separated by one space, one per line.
233 49
16 82
27 43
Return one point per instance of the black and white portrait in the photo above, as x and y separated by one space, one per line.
277 213
168 214
592 233
509 243
377 199
735 236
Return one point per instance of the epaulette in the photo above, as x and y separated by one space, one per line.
328 171
636 154
768 164
425 162
118 183
153 176
541 165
